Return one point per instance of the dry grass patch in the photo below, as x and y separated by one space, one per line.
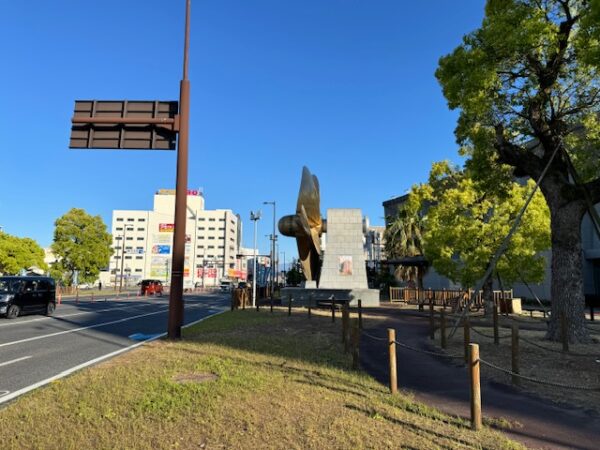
280 382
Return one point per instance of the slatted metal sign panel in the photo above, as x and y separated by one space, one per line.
150 125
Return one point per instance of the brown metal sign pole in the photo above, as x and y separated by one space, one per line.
177 266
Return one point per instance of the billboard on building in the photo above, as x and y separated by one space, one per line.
162 238
345 265
166 227
161 249
159 267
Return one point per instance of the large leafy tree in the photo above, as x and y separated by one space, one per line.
19 253
466 224
81 243
403 239
528 89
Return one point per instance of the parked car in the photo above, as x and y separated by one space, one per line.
151 287
28 294
226 286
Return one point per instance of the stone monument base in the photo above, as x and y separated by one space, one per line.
301 296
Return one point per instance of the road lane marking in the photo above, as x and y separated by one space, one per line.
74 330
18 322
9 396
12 361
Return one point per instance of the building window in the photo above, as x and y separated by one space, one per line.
201 219
119 219
211 246
201 228
211 219
117 257
127 257
232 239
138 270
118 238
232 230
139 257
211 228
130 219
232 222
141 229
221 246
141 220
231 248
200 246
129 239
221 220
139 239
221 229
211 237
119 228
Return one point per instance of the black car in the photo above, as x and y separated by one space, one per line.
28 294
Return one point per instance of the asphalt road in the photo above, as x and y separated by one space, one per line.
36 349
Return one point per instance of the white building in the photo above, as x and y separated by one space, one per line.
143 243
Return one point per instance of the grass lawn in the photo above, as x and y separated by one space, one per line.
239 380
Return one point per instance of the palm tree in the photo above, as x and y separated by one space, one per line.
403 239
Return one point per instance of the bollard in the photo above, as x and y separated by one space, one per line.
257 306
495 320
467 337
431 320
564 332
355 344
392 360
332 308
309 306
473 368
443 328
345 327
243 300
515 353
289 306
360 323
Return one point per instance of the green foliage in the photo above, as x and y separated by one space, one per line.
530 72
82 243
294 276
19 253
465 225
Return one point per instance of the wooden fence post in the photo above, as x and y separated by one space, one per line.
345 324
495 321
515 353
443 328
355 344
467 337
392 360
473 368
431 319
360 323
332 309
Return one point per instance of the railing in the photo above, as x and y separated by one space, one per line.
443 297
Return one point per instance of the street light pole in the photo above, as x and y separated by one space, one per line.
176 295
273 256
122 258
255 217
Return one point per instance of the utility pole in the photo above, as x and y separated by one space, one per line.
176 293
273 256
122 259
255 217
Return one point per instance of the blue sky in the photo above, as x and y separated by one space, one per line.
345 87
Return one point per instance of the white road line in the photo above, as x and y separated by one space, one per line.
18 322
74 330
9 396
12 361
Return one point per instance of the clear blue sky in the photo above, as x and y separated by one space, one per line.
345 87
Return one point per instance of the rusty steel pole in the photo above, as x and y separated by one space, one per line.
177 266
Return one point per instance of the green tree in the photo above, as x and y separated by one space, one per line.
19 253
403 239
294 276
81 243
465 225
527 86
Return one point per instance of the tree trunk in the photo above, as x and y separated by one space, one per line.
488 297
567 271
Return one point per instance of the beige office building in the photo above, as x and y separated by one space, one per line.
143 243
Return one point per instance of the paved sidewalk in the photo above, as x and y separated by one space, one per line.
443 383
